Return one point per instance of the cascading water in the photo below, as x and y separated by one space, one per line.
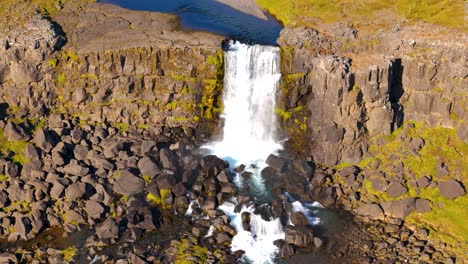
252 74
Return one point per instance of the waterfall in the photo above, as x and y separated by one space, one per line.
252 75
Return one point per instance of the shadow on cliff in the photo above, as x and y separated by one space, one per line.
396 92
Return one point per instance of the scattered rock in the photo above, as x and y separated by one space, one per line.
423 205
128 184
107 229
44 140
451 189
372 211
396 189
400 208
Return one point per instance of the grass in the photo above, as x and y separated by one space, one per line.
190 248
448 224
449 13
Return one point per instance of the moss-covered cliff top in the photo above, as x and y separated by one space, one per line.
368 14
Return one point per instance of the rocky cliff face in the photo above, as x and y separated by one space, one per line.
163 83
343 103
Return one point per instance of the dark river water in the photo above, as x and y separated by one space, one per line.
212 16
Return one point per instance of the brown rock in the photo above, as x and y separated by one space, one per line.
451 189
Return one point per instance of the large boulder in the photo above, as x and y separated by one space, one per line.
276 163
148 167
128 184
301 236
14 132
396 189
451 189
169 159
44 140
400 208
372 211
108 229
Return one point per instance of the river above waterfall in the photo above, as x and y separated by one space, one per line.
212 16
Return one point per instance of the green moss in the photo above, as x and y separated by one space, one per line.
283 114
69 253
187 249
17 148
52 62
147 178
61 79
122 127
159 200
90 76
441 146
171 105
3 178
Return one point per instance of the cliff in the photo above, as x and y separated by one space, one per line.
127 68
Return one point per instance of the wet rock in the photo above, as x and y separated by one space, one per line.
211 166
451 189
303 168
301 236
326 196
44 140
223 176
400 208
94 209
14 132
223 239
108 229
148 167
287 251
169 159
396 189
276 163
372 211
423 206
298 218
128 184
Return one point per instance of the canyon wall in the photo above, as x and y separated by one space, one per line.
157 84
333 106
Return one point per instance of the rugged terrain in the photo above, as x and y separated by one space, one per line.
103 110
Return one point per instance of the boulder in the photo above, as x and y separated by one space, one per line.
379 184
108 229
276 163
451 189
147 146
128 184
75 169
8 258
80 152
347 171
94 209
287 251
423 206
211 166
15 132
169 159
301 236
396 189
148 167
423 182
400 208
372 211
44 140
11 169
75 191
31 152
298 218
318 179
